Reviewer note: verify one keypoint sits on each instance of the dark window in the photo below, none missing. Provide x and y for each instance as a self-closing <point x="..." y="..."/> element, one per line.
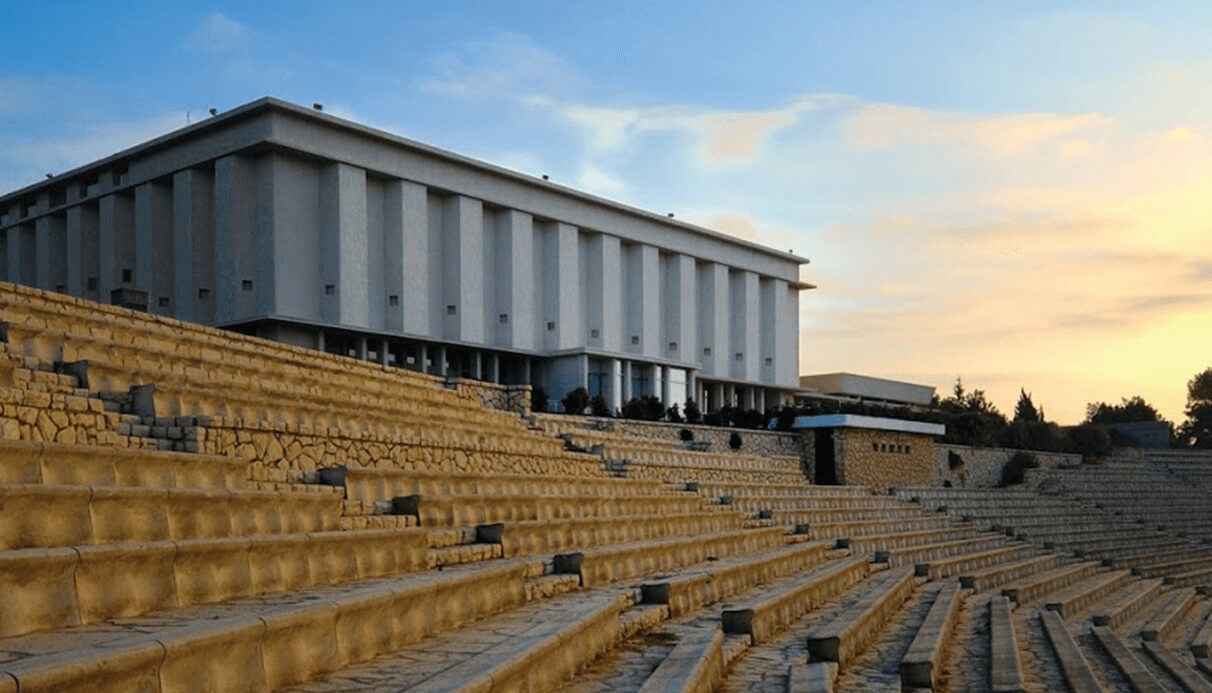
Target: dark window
<point x="550" y="326"/>
<point x="60" y="288"/>
<point x="635" y="339"/>
<point x="393" y="300"/>
<point x="127" y="275"/>
<point x="769" y="361"/>
<point x="706" y="351"/>
<point x="740" y="356"/>
<point x="503" y="318"/>
<point x="875" y="447"/>
<point x="673" y="346"/>
<point x="452" y="310"/>
<point x="330" y="289"/>
<point x="246" y="285"/>
<point x="163" y="301"/>
<point x="92" y="283"/>
<point x="203" y="294"/>
<point x="595" y="333"/>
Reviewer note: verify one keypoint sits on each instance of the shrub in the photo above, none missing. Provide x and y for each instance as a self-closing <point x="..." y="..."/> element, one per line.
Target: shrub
<point x="644" y="409"/>
<point x="734" y="441"/>
<point x="1016" y="468"/>
<point x="538" y="399"/>
<point x="686" y="435"/>
<point x="672" y="415"/>
<point x="693" y="414"/>
<point x="575" y="401"/>
<point x="1090" y="441"/>
<point x="598" y="406"/>
<point x="954" y="461"/>
<point x="713" y="419"/>
<point x="750" y="418"/>
<point x="946" y="484"/>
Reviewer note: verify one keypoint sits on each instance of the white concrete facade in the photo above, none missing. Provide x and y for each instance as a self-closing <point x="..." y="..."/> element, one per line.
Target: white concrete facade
<point x="287" y="222"/>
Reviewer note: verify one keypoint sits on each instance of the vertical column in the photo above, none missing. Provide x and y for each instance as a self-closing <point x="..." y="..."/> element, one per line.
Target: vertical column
<point x="787" y="333"/>
<point x="463" y="247"/>
<point x="384" y="350"/>
<point x="155" y="261"/>
<point x="406" y="256"/>
<point x="713" y="318"/>
<point x="561" y="291"/>
<point x="680" y="307"/>
<point x="115" y="243"/>
<point x="628" y="393"/>
<point x="234" y="293"/>
<point x="614" y="396"/>
<point x="440" y="361"/>
<point x="515" y="299"/>
<point x="477" y="365"/>
<point x="362" y="349"/>
<point x="604" y="284"/>
<point x="343" y="245"/>
<point x="751" y="321"/>
<point x="193" y="245"/>
<point x="760" y="405"/>
<point x="665" y="389"/>
<point x="717" y="396"/>
<point x="494" y="368"/>
<point x="423" y="358"/>
<point x="21" y="257"/>
<point x="648" y="305"/>
<point x="50" y="241"/>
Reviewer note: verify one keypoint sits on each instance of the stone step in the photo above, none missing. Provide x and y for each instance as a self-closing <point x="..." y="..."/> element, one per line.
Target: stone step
<point x="691" y="590"/>
<point x="1004" y="573"/>
<point x="1082" y="539"/>
<point x="857" y="529"/>
<point x="855" y="627"/>
<point x="23" y="462"/>
<point x="1111" y="548"/>
<point x="1157" y="563"/>
<point x="784" y="602"/>
<point x="1005" y="666"/>
<point x="695" y="664"/>
<point x="1189" y="679"/>
<point x="462" y="510"/>
<point x="938" y="551"/>
<point x="834" y="515"/>
<point x="61" y="587"/>
<point x="1202" y="576"/>
<point x="459" y="554"/>
<point x="53" y="515"/>
<point x="1127" y="604"/>
<point x="1201" y="643"/>
<point x="812" y="677"/>
<point x="268" y="643"/>
<point x="609" y="563"/>
<point x="1142" y="680"/>
<point x="909" y="539"/>
<point x="1073" y="664"/>
<point x="956" y="565"/>
<point x="554" y="536"/>
<point x="791" y="503"/>
<point x="1175" y="606"/>
<point x="1041" y="584"/>
<point x="922" y="664"/>
<point x="1078" y="597"/>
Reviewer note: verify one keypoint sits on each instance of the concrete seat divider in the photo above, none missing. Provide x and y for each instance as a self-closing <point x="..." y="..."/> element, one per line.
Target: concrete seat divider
<point x="921" y="665"/>
<point x="853" y="628"/>
<point x="1142" y="680"/>
<point x="763" y="615"/>
<point x="1073" y="664"/>
<point x="1005" y="665"/>
<point x="695" y="664"/>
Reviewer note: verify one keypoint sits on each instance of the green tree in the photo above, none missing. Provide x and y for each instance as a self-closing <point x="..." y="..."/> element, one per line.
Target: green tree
<point x="1196" y="431"/>
<point x="1025" y="411"/>
<point x="1129" y="410"/>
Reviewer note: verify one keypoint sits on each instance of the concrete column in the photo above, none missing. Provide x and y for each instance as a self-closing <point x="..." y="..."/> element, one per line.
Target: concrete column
<point x="406" y="256"/>
<point x="680" y="308"/>
<point x="423" y="358"/>
<point x="154" y="255"/>
<point x="515" y="280"/>
<point x="627" y="393"/>
<point x="761" y="400"/>
<point x="194" y="244"/>
<point x="362" y="349"/>
<point x="463" y="257"/>
<point x="665" y="389"/>
<point x="713" y="318"/>
<point x="50" y="249"/>
<point x="583" y="370"/>
<point x="614" y="396"/>
<point x="21" y="255"/>
<point x="494" y="368"/>
<point x="477" y="365"/>
<point x="717" y="396"/>
<point x="441" y="366"/>
<point x="786" y="334"/>
<point x="115" y="243"/>
<point x="82" y="250"/>
<point x="384" y="348"/>
<point x="749" y="400"/>
<point x="526" y="372"/>
<point x="343" y="245"/>
<point x="692" y="386"/>
<point x="235" y="263"/>
<point x="562" y="287"/>
<point x="320" y="343"/>
<point x="604" y="292"/>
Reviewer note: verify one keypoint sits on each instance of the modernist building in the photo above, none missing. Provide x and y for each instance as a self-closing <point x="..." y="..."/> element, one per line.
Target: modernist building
<point x="286" y="222"/>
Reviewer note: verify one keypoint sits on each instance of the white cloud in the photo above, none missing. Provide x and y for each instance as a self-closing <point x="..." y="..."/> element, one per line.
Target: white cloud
<point x="597" y="181"/>
<point x="219" y="34"/>
<point x="509" y="65"/>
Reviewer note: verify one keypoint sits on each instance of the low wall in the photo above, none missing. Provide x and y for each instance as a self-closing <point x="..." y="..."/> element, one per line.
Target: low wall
<point x="982" y="467"/>
<point x="753" y="441"/>
<point x="511" y="398"/>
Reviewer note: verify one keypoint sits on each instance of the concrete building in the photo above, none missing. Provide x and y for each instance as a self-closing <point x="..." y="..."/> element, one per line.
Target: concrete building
<point x="865" y="388"/>
<point x="285" y="222"/>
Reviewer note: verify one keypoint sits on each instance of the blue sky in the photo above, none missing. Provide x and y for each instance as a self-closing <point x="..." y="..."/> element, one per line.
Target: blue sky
<point x="1013" y="192"/>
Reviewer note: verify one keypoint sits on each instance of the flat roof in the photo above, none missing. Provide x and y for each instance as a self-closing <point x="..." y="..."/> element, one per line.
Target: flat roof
<point x="270" y="103"/>
<point x="876" y="423"/>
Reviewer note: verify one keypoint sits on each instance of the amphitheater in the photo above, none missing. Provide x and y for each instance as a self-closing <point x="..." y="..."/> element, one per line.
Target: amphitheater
<point x="186" y="509"/>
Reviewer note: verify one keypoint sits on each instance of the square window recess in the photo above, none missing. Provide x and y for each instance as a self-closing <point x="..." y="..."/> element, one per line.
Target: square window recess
<point x="393" y="300"/>
<point x="452" y="310"/>
<point x="203" y="294"/>
<point x="503" y="318"/>
<point x="330" y="289"/>
<point x="246" y="285"/>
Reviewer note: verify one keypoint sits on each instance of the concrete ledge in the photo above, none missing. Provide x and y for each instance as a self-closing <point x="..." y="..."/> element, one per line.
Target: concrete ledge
<point x="1005" y="666"/>
<point x="921" y="665"/>
<point x="1177" y="604"/>
<point x="855" y="627"/>
<point x="1131" y="667"/>
<point x="1187" y="677"/>
<point x="1073" y="664"/>
<point x="770" y="612"/>
<point x="696" y="665"/>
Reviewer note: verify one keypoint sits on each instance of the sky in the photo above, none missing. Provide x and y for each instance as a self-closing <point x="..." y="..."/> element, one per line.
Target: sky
<point x="1018" y="194"/>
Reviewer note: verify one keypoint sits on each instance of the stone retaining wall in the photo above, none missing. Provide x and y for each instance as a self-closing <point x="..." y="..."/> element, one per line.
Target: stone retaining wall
<point x="982" y="467"/>
<point x="753" y="442"/>
<point x="510" y="398"/>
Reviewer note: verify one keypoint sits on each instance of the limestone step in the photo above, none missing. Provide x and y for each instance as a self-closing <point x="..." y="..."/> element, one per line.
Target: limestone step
<point x="1110" y="548"/>
<point x="554" y="536"/>
<point x="1004" y="573"/>
<point x="1078" y="597"/>
<point x="270" y="642"/>
<point x="962" y="563"/>
<point x="689" y="591"/>
<point x="51" y="515"/>
<point x="1127" y="603"/>
<point x="373" y="485"/>
<point x="1175" y="606"/>
<point x="1202" y="576"/>
<point x="1201" y="643"/>
<point x="1142" y="680"/>
<point x="23" y="462"/>
<point x="852" y="629"/>
<point x="1093" y="539"/>
<point x="763" y="615"/>
<point x="609" y="563"/>
<point x="453" y="511"/>
<point x="61" y="587"/>
<point x="1189" y="679"/>
<point x="1038" y="585"/>
<point x="910" y="539"/>
<point x="792" y="503"/>
<point x="940" y="550"/>
<point x="737" y="490"/>
<point x="1005" y="666"/>
<point x="856" y="529"/>
<point x="836" y="515"/>
<point x="695" y="664"/>
<point x="1073" y="664"/>
<point x="1158" y="563"/>
<point x="922" y="664"/>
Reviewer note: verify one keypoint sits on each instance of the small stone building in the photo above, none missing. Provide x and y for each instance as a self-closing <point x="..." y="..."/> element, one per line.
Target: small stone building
<point x="847" y="449"/>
